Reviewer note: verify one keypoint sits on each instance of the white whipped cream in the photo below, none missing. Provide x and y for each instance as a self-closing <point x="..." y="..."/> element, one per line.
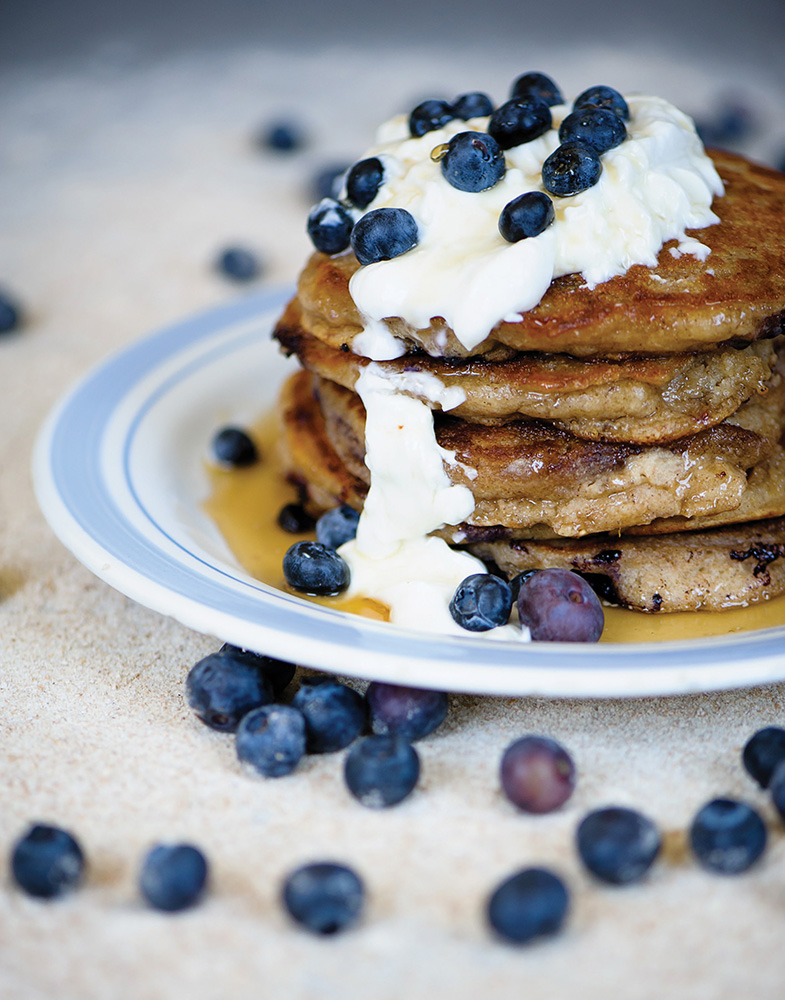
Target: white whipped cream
<point x="653" y="187"/>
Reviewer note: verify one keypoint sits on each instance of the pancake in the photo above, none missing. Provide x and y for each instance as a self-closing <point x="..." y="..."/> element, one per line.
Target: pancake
<point x="682" y="304"/>
<point x="638" y="399"/>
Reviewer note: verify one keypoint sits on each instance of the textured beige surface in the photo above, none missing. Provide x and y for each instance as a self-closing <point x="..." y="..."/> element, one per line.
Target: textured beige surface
<point x="119" y="185"/>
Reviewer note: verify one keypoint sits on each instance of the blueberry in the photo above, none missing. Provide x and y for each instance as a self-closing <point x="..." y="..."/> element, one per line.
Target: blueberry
<point x="223" y="686"/>
<point x="328" y="181"/>
<point x="271" y="739"/>
<point x="381" y="771"/>
<point x="727" y="836"/>
<point x="777" y="789"/>
<point x="314" y="569"/>
<point x="429" y="116"/>
<point x="233" y="447"/>
<point x="239" y="264"/>
<point x="570" y="169"/>
<point x="9" y="314"/>
<point x="324" y="897"/>
<point x="473" y="105"/>
<point x="173" y="876"/>
<point x="384" y="233"/>
<point x="559" y="606"/>
<point x="526" y="216"/>
<point x="538" y="86"/>
<point x="405" y="711"/>
<point x="603" y="97"/>
<point x="363" y="181"/>
<point x="278" y="673"/>
<point x="730" y="125"/>
<point x="481" y="602"/>
<point x="330" y="226"/>
<point x="762" y="753"/>
<point x="618" y="845"/>
<point x="519" y="120"/>
<point x="337" y="526"/>
<point x="283" y="137"/>
<point x="599" y="128"/>
<point x="537" y="774"/>
<point x="473" y="162"/>
<point x="530" y="904"/>
<point x="295" y="519"/>
<point x="518" y="580"/>
<point x="334" y="713"/>
<point x="47" y="862"/>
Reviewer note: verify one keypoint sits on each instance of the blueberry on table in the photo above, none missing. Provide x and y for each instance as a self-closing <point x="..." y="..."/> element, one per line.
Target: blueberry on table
<point x="429" y="116"/>
<point x="762" y="753"/>
<point x="283" y="137"/>
<point x="330" y="226"/>
<point x="405" y="711"/>
<point x="271" y="739"/>
<point x="381" y="771"/>
<point x="538" y="86"/>
<point x="599" y="128"/>
<point x="47" y="862"/>
<point x="531" y="904"/>
<point x="473" y="162"/>
<point x="727" y="836"/>
<point x="173" y="876"/>
<point x="337" y="526"/>
<point x="334" y="713"/>
<point x="603" y="97"/>
<point x="472" y="105"/>
<point x="234" y="448"/>
<point x="571" y="168"/>
<point x="526" y="216"/>
<point x="324" y="897"/>
<point x="295" y="519"/>
<point x="9" y="314"/>
<point x="314" y="569"/>
<point x="559" y="606"/>
<point x="384" y="233"/>
<point x="537" y="774"/>
<point x="224" y="686"/>
<point x="363" y="181"/>
<point x="238" y="264"/>
<point x="481" y="602"/>
<point x="519" y="120"/>
<point x="618" y="845"/>
<point x="278" y="673"/>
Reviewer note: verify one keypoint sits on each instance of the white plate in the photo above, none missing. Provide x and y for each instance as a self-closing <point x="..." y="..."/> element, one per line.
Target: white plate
<point x="119" y="474"/>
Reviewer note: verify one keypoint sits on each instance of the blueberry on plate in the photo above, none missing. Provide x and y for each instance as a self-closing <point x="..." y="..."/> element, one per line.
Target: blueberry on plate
<point x="224" y="686"/>
<point x="602" y="97"/>
<point x="363" y="181"/>
<point x="777" y="789"/>
<point x="526" y="216"/>
<point x="537" y="774"/>
<point x="328" y="181"/>
<point x="283" y="136"/>
<point x="314" y="569"/>
<point x="384" y="233"/>
<point x="430" y="116"/>
<point x="618" y="845"/>
<point x="334" y="713"/>
<point x="239" y="264"/>
<point x="473" y="162"/>
<point x="762" y="753"/>
<point x="539" y="86"/>
<point x="271" y="739"/>
<point x="173" y="876"/>
<point x="570" y="169"/>
<point x="519" y="120"/>
<point x="278" y="673"/>
<point x="481" y="602"/>
<point x="381" y="771"/>
<point x="9" y="314"/>
<point x="727" y="836"/>
<point x="405" y="711"/>
<point x="531" y="904"/>
<point x="294" y="519"/>
<point x="234" y="448"/>
<point x="330" y="226"/>
<point x="600" y="128"/>
<point x="324" y="897"/>
<point x="473" y="105"/>
<point x="47" y="861"/>
<point x="337" y="526"/>
<point x="559" y="606"/>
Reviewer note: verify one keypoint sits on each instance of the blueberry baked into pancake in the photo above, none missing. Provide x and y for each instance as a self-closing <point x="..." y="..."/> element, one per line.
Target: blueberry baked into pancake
<point x="546" y="334"/>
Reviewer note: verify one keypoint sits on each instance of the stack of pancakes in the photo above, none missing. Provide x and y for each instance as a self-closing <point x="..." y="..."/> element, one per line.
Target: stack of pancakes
<point x="631" y="432"/>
